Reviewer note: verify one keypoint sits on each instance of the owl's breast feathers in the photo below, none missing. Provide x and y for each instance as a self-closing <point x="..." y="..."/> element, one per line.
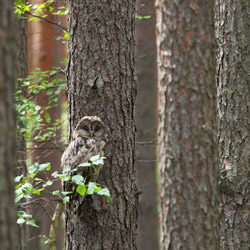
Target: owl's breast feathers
<point x="81" y="150"/>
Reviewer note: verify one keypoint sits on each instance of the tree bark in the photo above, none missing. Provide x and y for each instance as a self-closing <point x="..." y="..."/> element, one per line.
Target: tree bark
<point x="100" y="81"/>
<point x="21" y="72"/>
<point x="146" y="125"/>
<point x="187" y="125"/>
<point x="7" y="125"/>
<point x="233" y="102"/>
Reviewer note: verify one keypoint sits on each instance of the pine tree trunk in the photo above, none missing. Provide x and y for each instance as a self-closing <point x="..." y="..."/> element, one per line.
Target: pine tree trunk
<point x="7" y="126"/>
<point x="146" y="125"/>
<point x="100" y="81"/>
<point x="233" y="65"/>
<point x="21" y="72"/>
<point x="187" y="125"/>
<point x="44" y="53"/>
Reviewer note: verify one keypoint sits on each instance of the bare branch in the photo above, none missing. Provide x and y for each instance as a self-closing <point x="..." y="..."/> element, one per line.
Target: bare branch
<point x="36" y="201"/>
<point x="146" y="142"/>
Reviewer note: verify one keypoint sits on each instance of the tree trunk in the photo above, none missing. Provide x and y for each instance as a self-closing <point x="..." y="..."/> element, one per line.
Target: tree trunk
<point x="233" y="64"/>
<point x="100" y="81"/>
<point x="187" y="125"/>
<point x="146" y="124"/>
<point x="7" y="125"/>
<point x="44" y="53"/>
<point x="21" y="72"/>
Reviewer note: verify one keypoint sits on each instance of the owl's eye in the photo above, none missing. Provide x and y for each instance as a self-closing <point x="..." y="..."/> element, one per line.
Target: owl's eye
<point x="96" y="128"/>
<point x="86" y="128"/>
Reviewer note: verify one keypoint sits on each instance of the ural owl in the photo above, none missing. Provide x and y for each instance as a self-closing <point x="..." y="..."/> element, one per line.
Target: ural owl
<point x="89" y="139"/>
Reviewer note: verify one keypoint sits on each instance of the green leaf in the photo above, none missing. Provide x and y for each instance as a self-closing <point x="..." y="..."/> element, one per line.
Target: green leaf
<point x="18" y="178"/>
<point x="33" y="19"/>
<point x="36" y="192"/>
<point x="57" y="192"/>
<point x="33" y="168"/>
<point x="65" y="199"/>
<point x="27" y="187"/>
<point x="94" y="158"/>
<point x="20" y="221"/>
<point x="66" y="178"/>
<point x="47" y="117"/>
<point x="77" y="179"/>
<point x="27" y="196"/>
<point x="86" y="164"/>
<point x="54" y="174"/>
<point x="32" y="175"/>
<point x="45" y="166"/>
<point x="109" y="199"/>
<point x="98" y="162"/>
<point x="48" y="183"/>
<point x="66" y="35"/>
<point x="105" y="191"/>
<point x="19" y="191"/>
<point x="49" y="8"/>
<point x="18" y="198"/>
<point x="142" y="17"/>
<point x="66" y="169"/>
<point x="23" y="214"/>
<point x="50" y="92"/>
<point x="81" y="189"/>
<point x="32" y="223"/>
<point x="91" y="188"/>
<point x="46" y="242"/>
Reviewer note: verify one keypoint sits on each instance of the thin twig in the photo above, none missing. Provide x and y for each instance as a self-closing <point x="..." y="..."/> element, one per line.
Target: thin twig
<point x="38" y="236"/>
<point x="146" y="142"/>
<point x="36" y="201"/>
<point x="147" y="161"/>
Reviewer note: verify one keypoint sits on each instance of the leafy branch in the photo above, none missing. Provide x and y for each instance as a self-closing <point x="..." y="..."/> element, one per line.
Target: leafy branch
<point x="26" y="8"/>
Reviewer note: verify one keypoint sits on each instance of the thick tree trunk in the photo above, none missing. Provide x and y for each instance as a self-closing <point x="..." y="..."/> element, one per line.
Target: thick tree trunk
<point x="187" y="125"/>
<point x="233" y="65"/>
<point x="146" y="124"/>
<point x="7" y="126"/>
<point x="100" y="81"/>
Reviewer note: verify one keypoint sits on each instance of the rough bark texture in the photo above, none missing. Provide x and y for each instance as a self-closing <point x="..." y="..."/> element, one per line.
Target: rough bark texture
<point x="146" y="120"/>
<point x="187" y="125"/>
<point x="233" y="65"/>
<point x="7" y="125"/>
<point x="100" y="81"/>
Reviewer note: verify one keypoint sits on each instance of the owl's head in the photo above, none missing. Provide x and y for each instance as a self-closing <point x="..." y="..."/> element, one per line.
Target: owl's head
<point x="90" y="127"/>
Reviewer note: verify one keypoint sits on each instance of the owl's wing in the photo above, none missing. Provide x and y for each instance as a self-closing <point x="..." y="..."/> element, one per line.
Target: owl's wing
<point x="78" y="151"/>
<point x="70" y="154"/>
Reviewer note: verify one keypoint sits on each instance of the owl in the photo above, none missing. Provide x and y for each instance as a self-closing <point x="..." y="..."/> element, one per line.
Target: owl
<point x="89" y="139"/>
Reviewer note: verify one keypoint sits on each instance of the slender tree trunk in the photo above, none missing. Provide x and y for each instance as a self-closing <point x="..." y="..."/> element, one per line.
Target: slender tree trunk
<point x="21" y="72"/>
<point x="100" y="81"/>
<point x="44" y="53"/>
<point x="187" y="125"/>
<point x="7" y="126"/>
<point x="146" y="124"/>
<point x="233" y="65"/>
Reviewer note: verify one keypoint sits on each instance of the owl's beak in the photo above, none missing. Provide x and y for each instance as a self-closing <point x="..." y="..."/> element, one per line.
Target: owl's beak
<point x="91" y="134"/>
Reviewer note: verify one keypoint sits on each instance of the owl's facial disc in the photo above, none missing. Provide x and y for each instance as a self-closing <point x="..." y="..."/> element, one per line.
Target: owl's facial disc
<point x="97" y="129"/>
<point x="84" y="129"/>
